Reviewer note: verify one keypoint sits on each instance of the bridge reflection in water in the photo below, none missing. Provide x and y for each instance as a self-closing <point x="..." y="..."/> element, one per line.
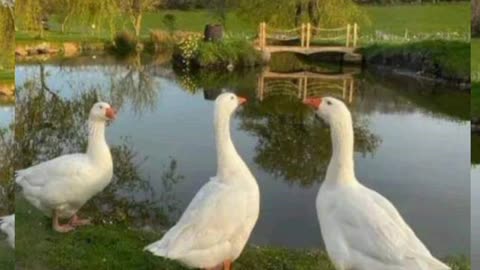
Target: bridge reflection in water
<point x="305" y="84"/>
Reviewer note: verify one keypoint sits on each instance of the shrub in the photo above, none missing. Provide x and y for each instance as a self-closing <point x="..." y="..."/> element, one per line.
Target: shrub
<point x="187" y="48"/>
<point x="125" y="43"/>
<point x="161" y="40"/>
<point x="170" y="22"/>
<point x="238" y="52"/>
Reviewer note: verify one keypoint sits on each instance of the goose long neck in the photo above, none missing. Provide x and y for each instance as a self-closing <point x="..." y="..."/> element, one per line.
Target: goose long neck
<point x="341" y="167"/>
<point x="97" y="146"/>
<point x="228" y="160"/>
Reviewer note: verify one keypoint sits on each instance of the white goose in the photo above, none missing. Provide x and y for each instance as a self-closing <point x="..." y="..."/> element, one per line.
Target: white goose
<point x="7" y="225"/>
<point x="361" y="229"/>
<point x="61" y="186"/>
<point x="215" y="227"/>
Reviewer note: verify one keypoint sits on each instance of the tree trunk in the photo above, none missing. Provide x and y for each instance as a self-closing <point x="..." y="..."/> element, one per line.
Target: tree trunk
<point x="313" y="12"/>
<point x="476" y="17"/>
<point x="65" y="22"/>
<point x="298" y="14"/>
<point x="138" y="24"/>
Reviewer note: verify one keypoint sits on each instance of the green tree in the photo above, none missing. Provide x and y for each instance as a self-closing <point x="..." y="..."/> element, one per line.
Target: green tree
<point x="325" y="13"/>
<point x="91" y="14"/>
<point x="135" y="9"/>
<point x="28" y="14"/>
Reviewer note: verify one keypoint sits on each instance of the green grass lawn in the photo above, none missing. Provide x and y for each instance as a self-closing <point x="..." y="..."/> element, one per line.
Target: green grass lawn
<point x="7" y="256"/>
<point x="393" y="19"/>
<point x="117" y="246"/>
<point x="419" y="18"/>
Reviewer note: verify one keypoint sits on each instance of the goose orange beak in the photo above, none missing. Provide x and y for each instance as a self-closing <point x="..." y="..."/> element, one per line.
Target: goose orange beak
<point x="313" y="102"/>
<point x="111" y="113"/>
<point x="241" y="100"/>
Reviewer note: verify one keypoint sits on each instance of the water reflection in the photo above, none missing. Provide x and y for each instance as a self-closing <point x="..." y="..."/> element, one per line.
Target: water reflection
<point x="6" y="169"/>
<point x="305" y="84"/>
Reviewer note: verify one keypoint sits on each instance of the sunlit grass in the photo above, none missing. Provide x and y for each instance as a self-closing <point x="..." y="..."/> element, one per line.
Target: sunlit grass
<point x="443" y="18"/>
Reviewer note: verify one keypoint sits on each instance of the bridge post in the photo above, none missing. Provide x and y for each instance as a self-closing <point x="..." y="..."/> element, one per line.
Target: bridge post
<point x="309" y="33"/>
<point x="355" y="34"/>
<point x="348" y="36"/>
<point x="262" y="35"/>
<point x="350" y="98"/>
<point x="302" y="35"/>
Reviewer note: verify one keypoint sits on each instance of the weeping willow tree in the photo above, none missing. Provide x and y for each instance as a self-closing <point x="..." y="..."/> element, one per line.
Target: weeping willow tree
<point x="135" y="9"/>
<point x="89" y="14"/>
<point x="28" y="14"/>
<point x="7" y="37"/>
<point x="324" y="13"/>
<point x="75" y="15"/>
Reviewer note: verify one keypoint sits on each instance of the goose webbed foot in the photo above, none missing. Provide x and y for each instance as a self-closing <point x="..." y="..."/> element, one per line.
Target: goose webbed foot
<point x="75" y="221"/>
<point x="59" y="227"/>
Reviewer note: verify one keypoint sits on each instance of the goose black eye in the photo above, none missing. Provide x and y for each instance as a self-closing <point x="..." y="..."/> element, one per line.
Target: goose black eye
<point x="231" y="97"/>
<point x="101" y="107"/>
<point x="329" y="102"/>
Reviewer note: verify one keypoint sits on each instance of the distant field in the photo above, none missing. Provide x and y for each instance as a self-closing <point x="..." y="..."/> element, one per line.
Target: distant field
<point x="419" y="18"/>
<point x="391" y="19"/>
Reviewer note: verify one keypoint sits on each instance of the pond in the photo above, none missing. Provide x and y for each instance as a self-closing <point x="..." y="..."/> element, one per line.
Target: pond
<point x="475" y="198"/>
<point x="411" y="141"/>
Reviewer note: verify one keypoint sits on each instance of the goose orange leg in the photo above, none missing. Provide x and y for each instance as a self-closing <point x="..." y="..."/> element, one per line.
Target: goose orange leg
<point x="75" y="221"/>
<point x="58" y="227"/>
<point x="214" y="268"/>
<point x="227" y="265"/>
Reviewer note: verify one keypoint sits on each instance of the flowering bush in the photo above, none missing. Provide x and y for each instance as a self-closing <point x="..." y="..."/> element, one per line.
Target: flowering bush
<point x="188" y="47"/>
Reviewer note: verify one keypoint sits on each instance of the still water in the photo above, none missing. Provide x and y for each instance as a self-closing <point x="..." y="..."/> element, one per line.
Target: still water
<point x="412" y="141"/>
<point x="475" y="217"/>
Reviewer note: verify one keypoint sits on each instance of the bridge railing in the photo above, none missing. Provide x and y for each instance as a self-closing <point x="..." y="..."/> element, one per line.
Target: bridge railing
<point x="307" y="33"/>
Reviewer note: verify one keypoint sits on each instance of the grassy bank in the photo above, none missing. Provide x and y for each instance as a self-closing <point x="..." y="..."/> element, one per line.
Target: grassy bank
<point x="392" y="19"/>
<point x="475" y="59"/>
<point x="437" y="59"/>
<point x="7" y="76"/>
<point x="116" y="246"/>
<point x="475" y="100"/>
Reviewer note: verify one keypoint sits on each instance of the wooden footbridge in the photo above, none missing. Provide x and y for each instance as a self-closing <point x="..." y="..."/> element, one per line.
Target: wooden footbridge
<point x="307" y="84"/>
<point x="308" y="39"/>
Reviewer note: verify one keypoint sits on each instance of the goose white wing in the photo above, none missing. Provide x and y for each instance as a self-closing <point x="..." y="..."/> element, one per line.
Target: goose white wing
<point x="373" y="228"/>
<point x="56" y="179"/>
<point x="213" y="217"/>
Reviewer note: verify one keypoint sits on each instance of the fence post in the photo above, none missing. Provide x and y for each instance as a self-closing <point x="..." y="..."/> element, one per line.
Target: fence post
<point x="348" y="36"/>
<point x="260" y="35"/>
<point x="308" y="34"/>
<point x="264" y="34"/>
<point x="355" y="34"/>
<point x="302" y="35"/>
